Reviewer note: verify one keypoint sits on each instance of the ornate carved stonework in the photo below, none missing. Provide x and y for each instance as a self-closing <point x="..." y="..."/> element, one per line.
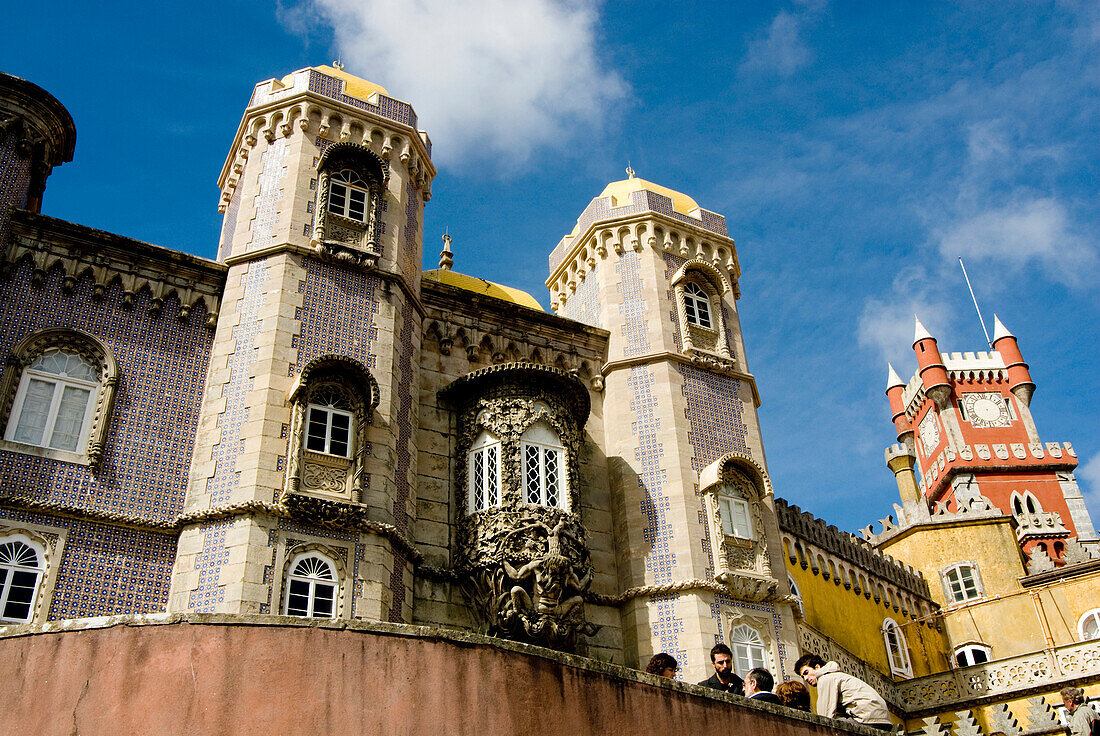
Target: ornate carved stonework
<point x="524" y="567"/>
<point x="526" y="571"/>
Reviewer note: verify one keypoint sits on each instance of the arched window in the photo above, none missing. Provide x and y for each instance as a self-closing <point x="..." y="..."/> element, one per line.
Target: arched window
<point x="58" y="392"/>
<point x="1088" y="627"/>
<point x="1025" y="503"/>
<point x="748" y="649"/>
<point x="972" y="654"/>
<point x="736" y="519"/>
<point x="697" y="305"/>
<point x="328" y="428"/>
<point x="544" y="471"/>
<point x="311" y="587"/>
<point x="961" y="583"/>
<point x="798" y="604"/>
<point x="483" y="474"/>
<point x="21" y="569"/>
<point x="348" y="195"/>
<point x="897" y="650"/>
<point x="53" y="403"/>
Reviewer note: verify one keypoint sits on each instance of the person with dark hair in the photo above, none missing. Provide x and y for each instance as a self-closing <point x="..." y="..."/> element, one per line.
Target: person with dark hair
<point x="663" y="665"/>
<point x="843" y="696"/>
<point x="723" y="678"/>
<point x="758" y="686"/>
<point x="794" y="694"/>
<point x="1083" y="719"/>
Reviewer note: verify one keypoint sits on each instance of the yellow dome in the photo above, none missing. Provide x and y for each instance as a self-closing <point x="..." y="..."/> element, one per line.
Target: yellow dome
<point x="483" y="287"/>
<point x="620" y="192"/>
<point x="353" y="86"/>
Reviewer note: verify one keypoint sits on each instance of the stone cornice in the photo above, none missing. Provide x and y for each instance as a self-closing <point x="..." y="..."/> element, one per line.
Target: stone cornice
<point x="45" y="123"/>
<point x="715" y="364"/>
<point x="80" y="250"/>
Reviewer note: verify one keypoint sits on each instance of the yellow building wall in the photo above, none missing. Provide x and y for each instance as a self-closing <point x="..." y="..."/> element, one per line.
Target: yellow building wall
<point x="1009" y="619"/>
<point x="855" y="623"/>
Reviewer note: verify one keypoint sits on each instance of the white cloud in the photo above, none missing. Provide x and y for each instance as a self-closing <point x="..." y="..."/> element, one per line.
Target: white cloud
<point x="1026" y="231"/>
<point x="1088" y="476"/>
<point x="489" y="79"/>
<point x="887" y="326"/>
<point x="781" y="49"/>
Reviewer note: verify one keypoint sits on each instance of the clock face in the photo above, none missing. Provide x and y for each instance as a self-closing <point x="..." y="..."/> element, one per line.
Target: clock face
<point x="987" y="410"/>
<point x="929" y="432"/>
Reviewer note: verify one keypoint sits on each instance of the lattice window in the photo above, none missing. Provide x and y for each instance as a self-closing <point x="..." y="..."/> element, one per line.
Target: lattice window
<point x="962" y="583"/>
<point x="484" y="473"/>
<point x="21" y="570"/>
<point x="697" y="305"/>
<point x="748" y="649"/>
<point x="543" y="467"/>
<point x="348" y="195"/>
<point x="53" y="404"/>
<point x="897" y="649"/>
<point x="311" y="587"/>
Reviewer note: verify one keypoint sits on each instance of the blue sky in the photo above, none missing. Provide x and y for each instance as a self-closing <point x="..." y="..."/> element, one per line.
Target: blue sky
<point x="856" y="150"/>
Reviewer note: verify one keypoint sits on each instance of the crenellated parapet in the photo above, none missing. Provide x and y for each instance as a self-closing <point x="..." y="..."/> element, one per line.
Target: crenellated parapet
<point x="330" y="108"/>
<point x="851" y="562"/>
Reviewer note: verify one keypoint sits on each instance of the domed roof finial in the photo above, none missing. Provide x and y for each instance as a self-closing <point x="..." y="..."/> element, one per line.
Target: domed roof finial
<point x="338" y="65"/>
<point x="446" y="259"/>
<point x="629" y="171"/>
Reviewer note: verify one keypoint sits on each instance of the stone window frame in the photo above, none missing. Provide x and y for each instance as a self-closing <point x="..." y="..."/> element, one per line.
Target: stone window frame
<point x="1091" y="616"/>
<point x="91" y="349"/>
<point x="715" y="285"/>
<point x="901" y="664"/>
<point x="975" y="576"/>
<point x="759" y="646"/>
<point x="320" y="474"/>
<point x="1025" y="500"/>
<point x="737" y="470"/>
<point x="292" y="545"/>
<point x="798" y="604"/>
<point x="51" y="543"/>
<point x="374" y="172"/>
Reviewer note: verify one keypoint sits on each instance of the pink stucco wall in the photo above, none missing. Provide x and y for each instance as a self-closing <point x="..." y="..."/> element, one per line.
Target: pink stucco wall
<point x="214" y="678"/>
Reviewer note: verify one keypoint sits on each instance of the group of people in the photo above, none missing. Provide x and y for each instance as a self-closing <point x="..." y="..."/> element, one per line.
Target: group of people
<point x="839" y="695"/>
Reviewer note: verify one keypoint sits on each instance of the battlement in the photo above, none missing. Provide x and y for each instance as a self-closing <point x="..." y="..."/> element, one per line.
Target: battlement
<point x="916" y="512"/>
<point x="980" y="366"/>
<point x="807" y="527"/>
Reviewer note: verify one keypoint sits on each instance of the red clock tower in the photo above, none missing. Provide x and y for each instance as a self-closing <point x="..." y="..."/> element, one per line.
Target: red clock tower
<point x="965" y="419"/>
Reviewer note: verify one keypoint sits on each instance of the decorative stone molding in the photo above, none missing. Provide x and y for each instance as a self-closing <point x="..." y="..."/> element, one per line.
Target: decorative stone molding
<point x="95" y="352"/>
<point x="1002" y="679"/>
<point x="326" y="474"/>
<point x="1042" y="524"/>
<point x="340" y="239"/>
<point x="525" y="568"/>
<point x="46" y="244"/>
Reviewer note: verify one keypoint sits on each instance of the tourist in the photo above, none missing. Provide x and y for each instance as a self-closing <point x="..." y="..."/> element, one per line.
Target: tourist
<point x="794" y="694"/>
<point x="758" y="686"/>
<point x="723" y="678"/>
<point x="1083" y="718"/>
<point x="662" y="665"/>
<point x="843" y="696"/>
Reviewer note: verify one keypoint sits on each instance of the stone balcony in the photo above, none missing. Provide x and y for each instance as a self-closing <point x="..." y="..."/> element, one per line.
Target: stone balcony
<point x="1001" y="679"/>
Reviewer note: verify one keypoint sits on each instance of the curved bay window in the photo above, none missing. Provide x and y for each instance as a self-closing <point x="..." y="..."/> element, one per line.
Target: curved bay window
<point x="57" y="396"/>
<point x="897" y="649"/>
<point x="332" y="401"/>
<point x="351" y="185"/>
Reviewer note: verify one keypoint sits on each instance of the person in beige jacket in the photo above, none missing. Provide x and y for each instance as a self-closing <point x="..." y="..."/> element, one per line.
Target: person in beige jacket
<point x="840" y="695"/>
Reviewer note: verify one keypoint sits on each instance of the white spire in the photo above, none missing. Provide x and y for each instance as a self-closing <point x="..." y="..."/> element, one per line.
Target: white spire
<point x="893" y="379"/>
<point x="999" y="330"/>
<point x="921" y="333"/>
